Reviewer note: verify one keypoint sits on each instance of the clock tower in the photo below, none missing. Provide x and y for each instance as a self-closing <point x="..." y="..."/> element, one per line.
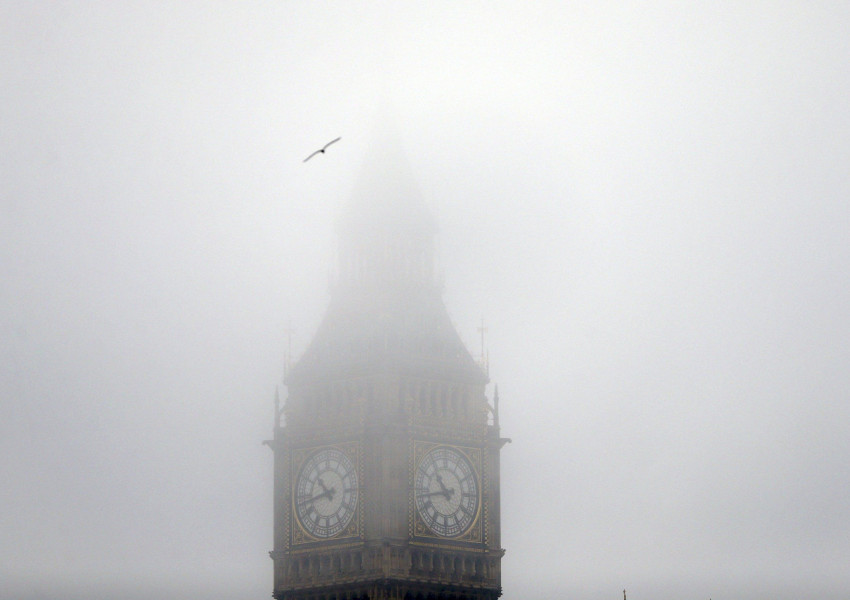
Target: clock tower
<point x="386" y="450"/>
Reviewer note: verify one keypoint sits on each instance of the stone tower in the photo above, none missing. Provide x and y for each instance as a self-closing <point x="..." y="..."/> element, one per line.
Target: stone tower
<point x="386" y="451"/>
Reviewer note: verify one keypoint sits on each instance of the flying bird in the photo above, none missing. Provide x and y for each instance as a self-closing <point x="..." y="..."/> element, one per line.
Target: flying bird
<point x="322" y="149"/>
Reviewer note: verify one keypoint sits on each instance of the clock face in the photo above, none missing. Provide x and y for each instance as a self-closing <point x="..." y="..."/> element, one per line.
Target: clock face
<point x="326" y="493"/>
<point x="445" y="489"/>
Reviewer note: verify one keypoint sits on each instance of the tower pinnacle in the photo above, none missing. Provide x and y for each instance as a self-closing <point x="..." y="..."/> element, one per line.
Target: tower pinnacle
<point x="386" y="235"/>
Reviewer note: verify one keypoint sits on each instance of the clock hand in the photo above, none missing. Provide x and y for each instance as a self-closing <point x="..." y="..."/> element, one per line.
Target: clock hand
<point x="326" y="490"/>
<point x="329" y="493"/>
<point x="447" y="492"/>
<point x="437" y="493"/>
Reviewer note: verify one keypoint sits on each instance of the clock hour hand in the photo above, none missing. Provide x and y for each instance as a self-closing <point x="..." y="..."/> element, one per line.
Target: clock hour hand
<point x="447" y="492"/>
<point x="326" y="491"/>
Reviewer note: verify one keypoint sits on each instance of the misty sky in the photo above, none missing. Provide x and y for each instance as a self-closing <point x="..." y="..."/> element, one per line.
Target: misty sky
<point x="647" y="203"/>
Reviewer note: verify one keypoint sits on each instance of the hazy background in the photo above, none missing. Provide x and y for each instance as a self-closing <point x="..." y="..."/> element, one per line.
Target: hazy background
<point x="646" y="202"/>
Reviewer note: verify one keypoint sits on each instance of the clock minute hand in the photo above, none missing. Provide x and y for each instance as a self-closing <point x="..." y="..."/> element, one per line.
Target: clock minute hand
<point x="328" y="493"/>
<point x="427" y="494"/>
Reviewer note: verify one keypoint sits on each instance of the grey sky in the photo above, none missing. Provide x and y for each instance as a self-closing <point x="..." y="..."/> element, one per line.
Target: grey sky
<point x="646" y="202"/>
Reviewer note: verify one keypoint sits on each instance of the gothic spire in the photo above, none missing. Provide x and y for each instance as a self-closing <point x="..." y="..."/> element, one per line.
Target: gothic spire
<point x="386" y="310"/>
<point x="386" y="234"/>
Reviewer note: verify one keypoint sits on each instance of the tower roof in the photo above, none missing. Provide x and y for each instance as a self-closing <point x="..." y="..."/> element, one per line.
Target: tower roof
<point x="386" y="312"/>
<point x="386" y="196"/>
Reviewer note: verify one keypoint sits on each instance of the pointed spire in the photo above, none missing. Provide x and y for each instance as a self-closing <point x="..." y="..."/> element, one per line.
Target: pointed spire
<point x="386" y="193"/>
<point x="386" y="235"/>
<point x="386" y="310"/>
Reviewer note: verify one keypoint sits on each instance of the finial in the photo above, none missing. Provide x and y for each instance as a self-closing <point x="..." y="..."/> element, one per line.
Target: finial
<point x="624" y="594"/>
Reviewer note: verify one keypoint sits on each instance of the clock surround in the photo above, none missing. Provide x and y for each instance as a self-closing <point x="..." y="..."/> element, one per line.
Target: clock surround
<point x="325" y="503"/>
<point x="445" y="492"/>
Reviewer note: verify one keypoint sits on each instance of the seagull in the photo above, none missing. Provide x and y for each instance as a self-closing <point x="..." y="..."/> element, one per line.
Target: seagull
<point x="322" y="149"/>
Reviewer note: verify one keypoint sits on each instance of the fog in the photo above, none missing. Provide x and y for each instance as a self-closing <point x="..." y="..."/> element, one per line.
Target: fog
<point x="646" y="203"/>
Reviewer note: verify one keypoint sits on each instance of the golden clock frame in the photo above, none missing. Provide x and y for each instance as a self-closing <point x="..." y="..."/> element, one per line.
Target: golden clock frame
<point x="298" y="456"/>
<point x="417" y="527"/>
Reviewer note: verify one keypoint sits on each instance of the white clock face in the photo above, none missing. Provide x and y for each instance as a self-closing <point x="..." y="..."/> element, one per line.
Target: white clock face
<point x="326" y="493"/>
<point x="446" y="491"/>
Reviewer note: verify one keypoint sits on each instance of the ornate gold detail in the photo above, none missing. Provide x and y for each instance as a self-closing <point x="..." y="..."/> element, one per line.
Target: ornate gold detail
<point x="298" y="457"/>
<point x="418" y="528"/>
